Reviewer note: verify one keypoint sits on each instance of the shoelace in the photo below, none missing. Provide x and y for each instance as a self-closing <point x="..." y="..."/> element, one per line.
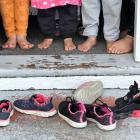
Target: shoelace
<point x="104" y="104"/>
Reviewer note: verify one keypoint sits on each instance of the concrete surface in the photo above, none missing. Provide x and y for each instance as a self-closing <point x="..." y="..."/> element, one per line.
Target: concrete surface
<point x="26" y="127"/>
<point x="67" y="65"/>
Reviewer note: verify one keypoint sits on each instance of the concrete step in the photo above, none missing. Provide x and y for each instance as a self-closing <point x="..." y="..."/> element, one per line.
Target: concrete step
<point x="23" y="127"/>
<point x="25" y="72"/>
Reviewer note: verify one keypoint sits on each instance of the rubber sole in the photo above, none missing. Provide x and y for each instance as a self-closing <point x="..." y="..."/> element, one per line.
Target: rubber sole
<point x="103" y="127"/>
<point x="119" y="116"/>
<point x="89" y="92"/>
<point x="37" y="113"/>
<point x="72" y="123"/>
<point x="6" y="122"/>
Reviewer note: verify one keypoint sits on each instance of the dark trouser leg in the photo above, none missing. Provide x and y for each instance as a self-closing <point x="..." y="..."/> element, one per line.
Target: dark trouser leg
<point x="46" y="19"/>
<point x="68" y="20"/>
<point x="127" y="16"/>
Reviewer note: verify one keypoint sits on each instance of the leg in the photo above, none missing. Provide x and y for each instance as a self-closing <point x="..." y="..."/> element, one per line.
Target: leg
<point x="21" y="8"/>
<point x="125" y="45"/>
<point x="46" y="19"/>
<point x="111" y="12"/>
<point x="7" y="12"/>
<point x="90" y="17"/>
<point x="68" y="25"/>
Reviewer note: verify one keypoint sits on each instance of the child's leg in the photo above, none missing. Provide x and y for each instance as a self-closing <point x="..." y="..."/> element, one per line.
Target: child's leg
<point x="46" y="19"/>
<point x="7" y="12"/>
<point x="68" y="25"/>
<point x="90" y="17"/>
<point x="111" y="11"/>
<point x="21" y="8"/>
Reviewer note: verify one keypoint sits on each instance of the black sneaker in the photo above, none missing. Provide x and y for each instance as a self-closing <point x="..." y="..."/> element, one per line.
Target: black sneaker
<point x="74" y="113"/>
<point x="127" y="104"/>
<point x="133" y="92"/>
<point x="6" y="111"/>
<point x="102" y="115"/>
<point x="37" y="104"/>
<point x="125" y="110"/>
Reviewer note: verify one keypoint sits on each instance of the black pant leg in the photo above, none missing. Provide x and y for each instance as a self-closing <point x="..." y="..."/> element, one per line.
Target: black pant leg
<point x="46" y="19"/>
<point x="68" y="20"/>
<point x="127" y="16"/>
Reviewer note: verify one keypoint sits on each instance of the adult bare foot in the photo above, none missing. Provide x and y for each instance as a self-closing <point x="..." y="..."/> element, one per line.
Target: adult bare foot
<point x="23" y="43"/>
<point x="10" y="43"/>
<point x="46" y="43"/>
<point x="109" y="46"/>
<point x="122" y="46"/>
<point x="69" y="45"/>
<point x="88" y="44"/>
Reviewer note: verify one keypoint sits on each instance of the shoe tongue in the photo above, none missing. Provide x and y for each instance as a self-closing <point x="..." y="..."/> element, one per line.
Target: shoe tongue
<point x="39" y="99"/>
<point x="4" y="106"/>
<point x="81" y="107"/>
<point x="105" y="109"/>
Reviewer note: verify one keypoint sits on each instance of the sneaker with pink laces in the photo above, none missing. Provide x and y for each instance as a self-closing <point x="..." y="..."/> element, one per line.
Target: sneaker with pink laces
<point x="6" y="111"/>
<point x="102" y="115"/>
<point x="74" y="113"/>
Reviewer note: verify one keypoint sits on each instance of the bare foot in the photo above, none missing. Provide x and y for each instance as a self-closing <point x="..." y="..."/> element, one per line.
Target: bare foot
<point x="88" y="44"/>
<point x="23" y="43"/>
<point x="45" y="44"/>
<point x="109" y="46"/>
<point x="69" y="45"/>
<point x="122" y="46"/>
<point x="10" y="43"/>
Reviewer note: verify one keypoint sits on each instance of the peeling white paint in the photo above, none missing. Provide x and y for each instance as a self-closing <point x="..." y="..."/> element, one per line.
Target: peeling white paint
<point x="68" y="65"/>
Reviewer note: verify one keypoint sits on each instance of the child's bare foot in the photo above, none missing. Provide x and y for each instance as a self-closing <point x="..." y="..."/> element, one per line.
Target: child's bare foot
<point x="23" y="43"/>
<point x="46" y="43"/>
<point x="109" y="46"/>
<point x="10" y="43"/>
<point x="88" y="44"/>
<point x="122" y="46"/>
<point x="69" y="45"/>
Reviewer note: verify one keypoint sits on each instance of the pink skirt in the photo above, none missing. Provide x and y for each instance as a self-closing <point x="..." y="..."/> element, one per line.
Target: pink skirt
<point x="45" y="4"/>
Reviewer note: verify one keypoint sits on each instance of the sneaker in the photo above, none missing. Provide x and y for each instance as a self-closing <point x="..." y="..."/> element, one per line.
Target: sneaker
<point x="37" y="104"/>
<point x="133" y="92"/>
<point x="74" y="113"/>
<point x="125" y="109"/>
<point x="101" y="115"/>
<point x="6" y="111"/>
<point x="89" y="92"/>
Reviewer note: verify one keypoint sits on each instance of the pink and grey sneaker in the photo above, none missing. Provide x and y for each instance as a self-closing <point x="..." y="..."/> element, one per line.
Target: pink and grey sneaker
<point x="101" y="115"/>
<point x="74" y="113"/>
<point x="37" y="104"/>
<point x="6" y="111"/>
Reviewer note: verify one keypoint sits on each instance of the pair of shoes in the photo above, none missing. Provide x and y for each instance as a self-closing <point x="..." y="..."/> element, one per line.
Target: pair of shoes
<point x="129" y="105"/>
<point x="37" y="104"/>
<point x="6" y="111"/>
<point x="76" y="114"/>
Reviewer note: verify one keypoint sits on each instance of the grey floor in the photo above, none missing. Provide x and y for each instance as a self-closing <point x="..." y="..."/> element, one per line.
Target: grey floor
<point x="35" y="36"/>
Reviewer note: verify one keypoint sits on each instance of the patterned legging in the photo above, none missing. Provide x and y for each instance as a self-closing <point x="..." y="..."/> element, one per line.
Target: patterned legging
<point x="15" y="16"/>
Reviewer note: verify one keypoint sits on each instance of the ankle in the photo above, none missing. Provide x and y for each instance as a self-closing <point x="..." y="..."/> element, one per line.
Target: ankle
<point x="12" y="38"/>
<point x="68" y="41"/>
<point x="92" y="40"/>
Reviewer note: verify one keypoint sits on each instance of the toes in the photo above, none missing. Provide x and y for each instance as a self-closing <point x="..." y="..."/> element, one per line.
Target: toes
<point x="83" y="49"/>
<point x="68" y="48"/>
